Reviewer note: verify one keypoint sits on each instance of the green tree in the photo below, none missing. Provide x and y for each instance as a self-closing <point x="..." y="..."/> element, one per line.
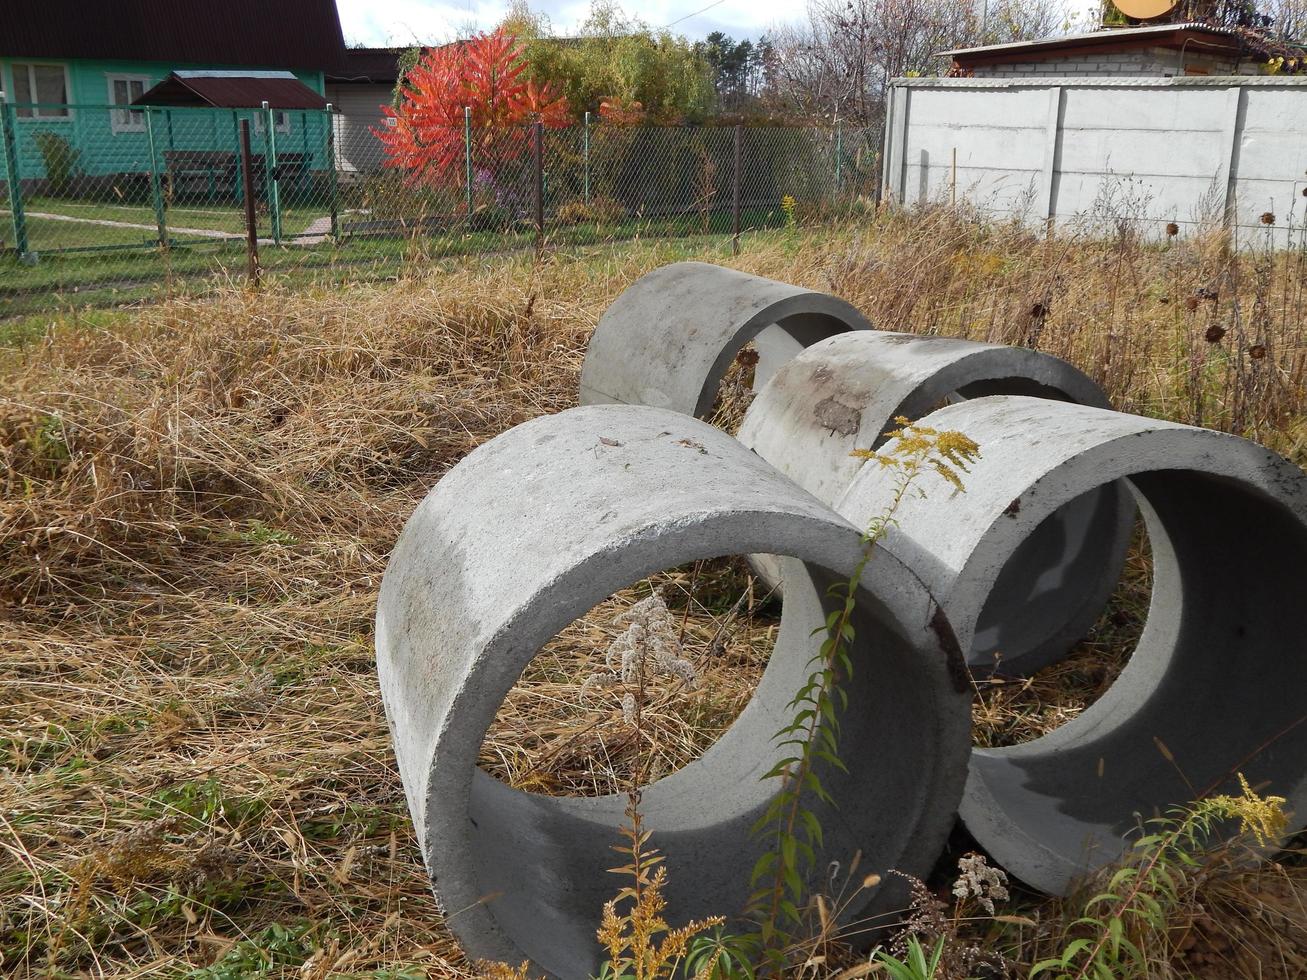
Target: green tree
<point x="616" y="56"/>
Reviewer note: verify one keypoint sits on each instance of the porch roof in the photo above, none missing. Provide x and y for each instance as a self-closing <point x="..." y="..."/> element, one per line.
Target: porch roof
<point x="233" y="90"/>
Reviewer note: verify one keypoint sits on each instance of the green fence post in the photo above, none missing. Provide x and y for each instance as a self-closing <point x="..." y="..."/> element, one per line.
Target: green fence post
<point x="585" y="142"/>
<point x="156" y="190"/>
<point x="332" y="175"/>
<point x="270" y="162"/>
<point x="467" y="154"/>
<point x="12" y="179"/>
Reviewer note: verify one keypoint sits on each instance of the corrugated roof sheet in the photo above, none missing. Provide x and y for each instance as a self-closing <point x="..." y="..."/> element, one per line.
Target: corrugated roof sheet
<point x="302" y="34"/>
<point x="233" y="90"/>
<point x="1117" y="36"/>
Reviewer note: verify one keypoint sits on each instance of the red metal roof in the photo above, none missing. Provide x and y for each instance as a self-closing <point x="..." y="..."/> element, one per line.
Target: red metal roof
<point x="233" y="90"/>
<point x="302" y="34"/>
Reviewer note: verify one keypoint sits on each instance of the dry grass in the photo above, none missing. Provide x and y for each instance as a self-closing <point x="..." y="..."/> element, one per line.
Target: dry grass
<point x="198" y="501"/>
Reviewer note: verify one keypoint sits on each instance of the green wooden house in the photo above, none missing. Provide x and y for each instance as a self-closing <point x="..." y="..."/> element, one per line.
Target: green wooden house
<point x="75" y="74"/>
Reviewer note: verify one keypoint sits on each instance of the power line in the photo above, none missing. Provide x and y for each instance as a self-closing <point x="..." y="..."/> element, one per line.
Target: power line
<point x="715" y="3"/>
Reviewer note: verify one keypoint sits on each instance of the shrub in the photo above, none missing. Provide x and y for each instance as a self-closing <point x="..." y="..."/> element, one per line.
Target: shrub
<point x="60" y="159"/>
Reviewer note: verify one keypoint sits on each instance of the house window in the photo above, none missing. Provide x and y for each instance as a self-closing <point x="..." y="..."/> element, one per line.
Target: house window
<point x="124" y="90"/>
<point x="41" y="91"/>
<point x="281" y="120"/>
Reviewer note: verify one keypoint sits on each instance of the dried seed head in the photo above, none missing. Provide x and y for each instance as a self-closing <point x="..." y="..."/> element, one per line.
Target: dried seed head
<point x="1257" y="351"/>
<point x="1214" y="333"/>
<point x="979" y="881"/>
<point x="1172" y="229"/>
<point x="1268" y="218"/>
<point x="1191" y="303"/>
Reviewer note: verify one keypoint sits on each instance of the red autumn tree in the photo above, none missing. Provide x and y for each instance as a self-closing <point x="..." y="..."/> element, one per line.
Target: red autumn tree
<point x="485" y="74"/>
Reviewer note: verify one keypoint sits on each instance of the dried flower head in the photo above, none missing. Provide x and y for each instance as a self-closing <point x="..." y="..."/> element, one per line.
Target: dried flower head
<point x="1172" y="229"/>
<point x="1261" y="816"/>
<point x="650" y="643"/>
<point x="918" y="447"/>
<point x="980" y="882"/>
<point x="1191" y="303"/>
<point x="1214" y="333"/>
<point x="1268" y="218"/>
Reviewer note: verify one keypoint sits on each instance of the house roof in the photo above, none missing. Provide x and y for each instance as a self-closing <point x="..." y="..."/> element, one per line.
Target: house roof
<point x="1192" y="36"/>
<point x="233" y="90"/>
<point x="368" y="65"/>
<point x="301" y="34"/>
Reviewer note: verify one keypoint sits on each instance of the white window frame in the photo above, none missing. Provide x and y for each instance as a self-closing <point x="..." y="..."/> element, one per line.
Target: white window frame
<point x="36" y="113"/>
<point x="120" y="119"/>
<point x="282" y="117"/>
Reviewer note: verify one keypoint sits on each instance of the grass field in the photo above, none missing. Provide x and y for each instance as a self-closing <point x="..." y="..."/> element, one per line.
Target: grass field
<point x="111" y="266"/>
<point x="200" y="494"/>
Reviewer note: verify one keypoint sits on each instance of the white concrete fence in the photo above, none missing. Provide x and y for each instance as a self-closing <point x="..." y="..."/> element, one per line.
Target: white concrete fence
<point x="1150" y="151"/>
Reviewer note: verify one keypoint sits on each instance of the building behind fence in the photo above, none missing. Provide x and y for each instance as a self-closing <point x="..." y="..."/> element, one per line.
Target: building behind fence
<point x="154" y="191"/>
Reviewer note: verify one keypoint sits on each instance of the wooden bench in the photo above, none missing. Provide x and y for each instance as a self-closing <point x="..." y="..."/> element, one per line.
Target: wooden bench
<point x="215" y="170"/>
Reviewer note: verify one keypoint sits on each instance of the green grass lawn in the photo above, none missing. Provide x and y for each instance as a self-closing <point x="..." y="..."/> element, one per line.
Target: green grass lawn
<point x="129" y="267"/>
<point x="48" y="234"/>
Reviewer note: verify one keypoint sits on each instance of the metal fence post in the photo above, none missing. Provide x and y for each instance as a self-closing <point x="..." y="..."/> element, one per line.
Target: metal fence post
<point x="537" y="153"/>
<point x="270" y="160"/>
<point x="735" y="195"/>
<point x="12" y="179"/>
<point x="251" y="221"/>
<point x="839" y="151"/>
<point x="156" y="189"/>
<point x="585" y="152"/>
<point x="467" y="154"/>
<point x="332" y="175"/>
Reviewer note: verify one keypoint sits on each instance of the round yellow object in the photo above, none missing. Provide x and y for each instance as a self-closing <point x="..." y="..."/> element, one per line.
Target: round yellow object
<point x="1145" y="9"/>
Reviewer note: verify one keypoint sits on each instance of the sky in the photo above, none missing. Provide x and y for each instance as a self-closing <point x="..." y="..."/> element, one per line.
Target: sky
<point x="401" y="22"/>
<point x="397" y="22"/>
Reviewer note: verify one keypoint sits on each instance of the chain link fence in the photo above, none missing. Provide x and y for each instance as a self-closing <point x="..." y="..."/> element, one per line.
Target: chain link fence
<point x="101" y="202"/>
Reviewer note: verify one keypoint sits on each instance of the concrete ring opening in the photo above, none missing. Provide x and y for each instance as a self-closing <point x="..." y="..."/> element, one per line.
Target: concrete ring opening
<point x="1216" y="686"/>
<point x="606" y="497"/>
<point x="845" y="392"/>
<point x="688" y="644"/>
<point x="669" y="339"/>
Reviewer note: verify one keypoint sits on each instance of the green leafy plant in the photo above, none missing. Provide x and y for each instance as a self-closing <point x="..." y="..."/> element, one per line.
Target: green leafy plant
<point x="721" y="955"/>
<point x="1124" y="927"/>
<point x="915" y="965"/>
<point x="272" y="952"/>
<point x="811" y="737"/>
<point x="789" y="207"/>
<point x="59" y="157"/>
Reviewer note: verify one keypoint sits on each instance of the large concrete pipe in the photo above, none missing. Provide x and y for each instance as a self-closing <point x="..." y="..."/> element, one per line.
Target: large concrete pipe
<point x="528" y="533"/>
<point x="844" y="393"/>
<point x="1218" y="682"/>
<point x="668" y="339"/>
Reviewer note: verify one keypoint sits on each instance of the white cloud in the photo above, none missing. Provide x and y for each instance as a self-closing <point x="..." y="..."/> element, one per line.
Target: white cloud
<point x="379" y="22"/>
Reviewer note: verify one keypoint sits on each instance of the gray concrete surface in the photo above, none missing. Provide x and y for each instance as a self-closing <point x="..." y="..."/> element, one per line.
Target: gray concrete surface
<point x="844" y="393"/>
<point x="668" y="339"/>
<point x="1218" y="677"/>
<point x="533" y="529"/>
<point x="1094" y="153"/>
